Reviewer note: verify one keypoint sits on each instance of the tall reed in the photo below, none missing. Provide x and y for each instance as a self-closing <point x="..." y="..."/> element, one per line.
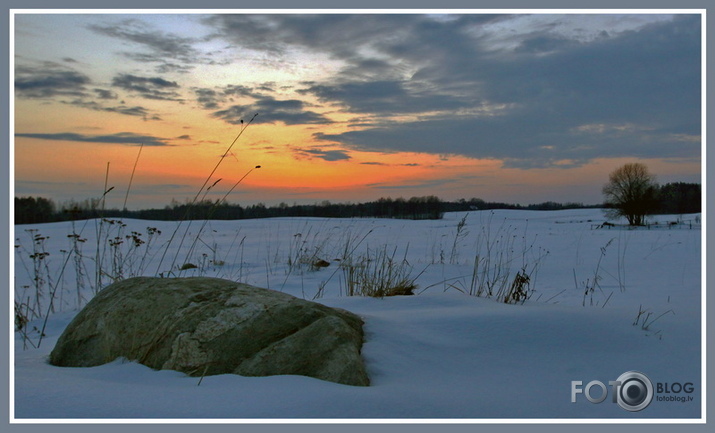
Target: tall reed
<point x="159" y="271"/>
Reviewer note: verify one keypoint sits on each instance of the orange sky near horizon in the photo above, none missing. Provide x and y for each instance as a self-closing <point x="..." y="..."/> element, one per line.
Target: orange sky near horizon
<point x="338" y="120"/>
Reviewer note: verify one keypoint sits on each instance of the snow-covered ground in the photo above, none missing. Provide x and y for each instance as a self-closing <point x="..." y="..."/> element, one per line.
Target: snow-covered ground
<point x="441" y="354"/>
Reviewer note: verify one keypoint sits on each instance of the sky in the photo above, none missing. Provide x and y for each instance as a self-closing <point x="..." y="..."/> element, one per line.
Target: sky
<point x="519" y="108"/>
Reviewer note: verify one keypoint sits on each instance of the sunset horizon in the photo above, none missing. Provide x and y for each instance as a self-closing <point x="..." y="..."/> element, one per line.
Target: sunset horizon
<point x="519" y="108"/>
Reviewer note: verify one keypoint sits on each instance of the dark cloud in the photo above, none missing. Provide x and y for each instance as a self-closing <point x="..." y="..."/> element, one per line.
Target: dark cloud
<point x="136" y="32"/>
<point x="546" y="102"/>
<point x="168" y="68"/>
<point x="533" y="144"/>
<point x="67" y="86"/>
<point x="136" y="111"/>
<point x="209" y="99"/>
<point x="49" y="80"/>
<point x="214" y="98"/>
<point x="168" y="51"/>
<point x="269" y="86"/>
<point x="148" y="87"/>
<point x="373" y="163"/>
<point x="105" y="94"/>
<point x="327" y="155"/>
<point x="528" y="93"/>
<point x="240" y="90"/>
<point x="544" y="44"/>
<point x="132" y="111"/>
<point x="387" y="97"/>
<point x="276" y="34"/>
<point x="408" y="164"/>
<point x="533" y="98"/>
<point x="270" y="110"/>
<point x="342" y="36"/>
<point x="127" y="138"/>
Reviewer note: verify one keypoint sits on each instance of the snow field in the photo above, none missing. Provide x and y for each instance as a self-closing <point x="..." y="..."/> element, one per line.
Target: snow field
<point x="441" y="354"/>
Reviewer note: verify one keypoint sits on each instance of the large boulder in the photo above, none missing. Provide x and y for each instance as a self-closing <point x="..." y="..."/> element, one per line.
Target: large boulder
<point x="207" y="326"/>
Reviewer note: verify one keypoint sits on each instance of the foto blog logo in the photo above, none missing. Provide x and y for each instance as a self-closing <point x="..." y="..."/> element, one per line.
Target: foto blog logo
<point x="632" y="391"/>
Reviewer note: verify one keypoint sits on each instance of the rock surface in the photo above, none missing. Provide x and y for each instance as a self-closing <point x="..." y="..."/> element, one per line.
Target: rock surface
<point x="207" y="326"/>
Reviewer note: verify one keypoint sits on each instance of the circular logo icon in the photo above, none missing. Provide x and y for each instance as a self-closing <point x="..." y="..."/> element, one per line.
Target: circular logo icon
<point x="635" y="392"/>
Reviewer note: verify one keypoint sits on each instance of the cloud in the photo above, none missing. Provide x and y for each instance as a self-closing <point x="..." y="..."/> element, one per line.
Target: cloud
<point x="209" y="99"/>
<point x="342" y="36"/>
<point x="271" y="110"/>
<point x="55" y="82"/>
<point x="327" y="155"/>
<point x="536" y="95"/>
<point x="52" y="81"/>
<point x="170" y="53"/>
<point x="407" y="164"/>
<point x="514" y="88"/>
<point x="213" y="98"/>
<point x="148" y="87"/>
<point x="240" y="90"/>
<point x="533" y="144"/>
<point x="536" y="90"/>
<point x="136" y="111"/>
<point x="49" y="80"/>
<point x="105" y="94"/>
<point x="269" y="86"/>
<point x="544" y="44"/>
<point x="134" y="31"/>
<point x="374" y="163"/>
<point x="388" y="98"/>
<point x="132" y="111"/>
<point x="127" y="138"/>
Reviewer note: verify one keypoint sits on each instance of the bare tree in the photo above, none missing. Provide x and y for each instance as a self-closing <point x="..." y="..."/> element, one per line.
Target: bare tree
<point x="631" y="192"/>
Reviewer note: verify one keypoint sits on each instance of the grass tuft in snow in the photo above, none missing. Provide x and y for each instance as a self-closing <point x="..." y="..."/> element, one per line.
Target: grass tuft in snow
<point x="495" y="258"/>
<point x="378" y="273"/>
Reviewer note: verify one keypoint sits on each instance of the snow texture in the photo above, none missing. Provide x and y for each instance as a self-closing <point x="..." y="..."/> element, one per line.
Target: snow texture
<point x="440" y="354"/>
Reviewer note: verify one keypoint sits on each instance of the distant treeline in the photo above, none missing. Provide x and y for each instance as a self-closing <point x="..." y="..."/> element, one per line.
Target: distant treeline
<point x="676" y="198"/>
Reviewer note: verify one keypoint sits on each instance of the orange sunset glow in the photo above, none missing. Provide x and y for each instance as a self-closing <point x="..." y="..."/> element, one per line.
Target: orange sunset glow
<point x="498" y="107"/>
